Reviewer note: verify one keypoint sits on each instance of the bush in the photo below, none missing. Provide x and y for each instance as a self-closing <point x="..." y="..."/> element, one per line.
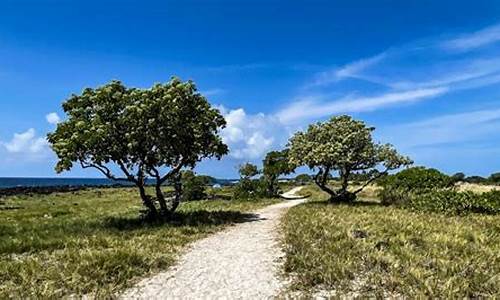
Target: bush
<point x="250" y="189"/>
<point x="453" y="202"/>
<point x="193" y="186"/>
<point x="399" y="187"/>
<point x="303" y="179"/>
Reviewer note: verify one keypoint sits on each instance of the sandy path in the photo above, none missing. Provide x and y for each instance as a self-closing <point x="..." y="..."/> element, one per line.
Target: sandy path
<point x="239" y="263"/>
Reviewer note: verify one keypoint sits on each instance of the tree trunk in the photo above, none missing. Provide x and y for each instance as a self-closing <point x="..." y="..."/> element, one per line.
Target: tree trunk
<point x="272" y="186"/>
<point x="164" y="211"/>
<point x="148" y="203"/>
<point x="321" y="181"/>
<point x="178" y="194"/>
<point x="344" y="195"/>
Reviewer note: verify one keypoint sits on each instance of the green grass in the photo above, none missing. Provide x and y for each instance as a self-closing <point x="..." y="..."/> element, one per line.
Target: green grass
<point x="378" y="251"/>
<point x="92" y="242"/>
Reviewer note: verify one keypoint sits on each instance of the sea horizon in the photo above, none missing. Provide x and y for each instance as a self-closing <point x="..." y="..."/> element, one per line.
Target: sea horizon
<point x="14" y="182"/>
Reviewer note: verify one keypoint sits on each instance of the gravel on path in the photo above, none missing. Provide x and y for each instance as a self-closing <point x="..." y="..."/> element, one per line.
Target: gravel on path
<point x="242" y="262"/>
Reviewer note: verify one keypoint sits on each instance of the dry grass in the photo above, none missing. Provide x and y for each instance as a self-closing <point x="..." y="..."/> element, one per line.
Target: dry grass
<point x="92" y="242"/>
<point x="370" y="250"/>
<point x="476" y="188"/>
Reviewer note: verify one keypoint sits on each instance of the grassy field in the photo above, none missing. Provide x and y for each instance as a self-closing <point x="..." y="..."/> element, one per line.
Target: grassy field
<point x="92" y="242"/>
<point x="371" y="250"/>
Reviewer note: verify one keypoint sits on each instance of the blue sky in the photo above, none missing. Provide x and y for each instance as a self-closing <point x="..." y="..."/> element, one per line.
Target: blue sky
<point x="425" y="73"/>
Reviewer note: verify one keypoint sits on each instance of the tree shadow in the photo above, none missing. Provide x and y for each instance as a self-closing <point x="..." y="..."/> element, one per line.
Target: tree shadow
<point x="182" y="219"/>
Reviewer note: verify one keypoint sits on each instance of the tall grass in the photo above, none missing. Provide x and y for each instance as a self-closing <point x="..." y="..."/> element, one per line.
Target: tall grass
<point x="371" y="250"/>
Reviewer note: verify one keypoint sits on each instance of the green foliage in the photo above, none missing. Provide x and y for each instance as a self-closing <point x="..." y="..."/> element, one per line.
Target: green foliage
<point x="417" y="178"/>
<point x="399" y="187"/>
<point x="275" y="164"/>
<point x="344" y="145"/>
<point x="476" y="179"/>
<point x="193" y="186"/>
<point x="303" y="179"/>
<point x="142" y="131"/>
<point x="248" y="188"/>
<point x="429" y="190"/>
<point x="494" y="178"/>
<point x="248" y="170"/>
<point x="457" y="177"/>
<point x="452" y="202"/>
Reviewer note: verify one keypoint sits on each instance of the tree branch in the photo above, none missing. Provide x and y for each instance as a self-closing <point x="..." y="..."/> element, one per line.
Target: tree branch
<point x="173" y="171"/>
<point x="321" y="182"/>
<point x="103" y="169"/>
<point x="124" y="169"/>
<point x="371" y="180"/>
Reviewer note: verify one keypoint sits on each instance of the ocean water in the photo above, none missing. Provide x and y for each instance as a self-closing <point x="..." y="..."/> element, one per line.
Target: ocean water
<point x="10" y="182"/>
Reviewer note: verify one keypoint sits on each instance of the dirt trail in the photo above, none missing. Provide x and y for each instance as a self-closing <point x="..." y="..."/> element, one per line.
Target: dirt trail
<point x="239" y="263"/>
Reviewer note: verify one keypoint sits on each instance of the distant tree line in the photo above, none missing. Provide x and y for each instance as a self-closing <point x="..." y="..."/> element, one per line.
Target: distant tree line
<point x="492" y="179"/>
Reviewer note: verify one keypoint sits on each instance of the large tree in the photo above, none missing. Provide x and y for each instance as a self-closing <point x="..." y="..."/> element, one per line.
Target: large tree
<point x="344" y="145"/>
<point x="275" y="164"/>
<point x="146" y="133"/>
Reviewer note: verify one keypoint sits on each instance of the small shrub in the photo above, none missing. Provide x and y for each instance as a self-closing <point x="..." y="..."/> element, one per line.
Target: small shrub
<point x="250" y="189"/>
<point x="303" y="179"/>
<point x="399" y="187"/>
<point x="193" y="186"/>
<point x="452" y="202"/>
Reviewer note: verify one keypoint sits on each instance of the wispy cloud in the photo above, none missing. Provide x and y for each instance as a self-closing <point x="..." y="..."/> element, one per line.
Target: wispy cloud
<point x="351" y="70"/>
<point x="450" y="128"/>
<point x="483" y="37"/>
<point x="311" y="108"/>
<point x="453" y="74"/>
<point x="240" y="67"/>
<point x="404" y="74"/>
<point x="213" y="92"/>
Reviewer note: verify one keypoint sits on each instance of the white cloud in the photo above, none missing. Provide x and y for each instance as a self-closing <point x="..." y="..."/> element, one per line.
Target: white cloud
<point x="451" y="128"/>
<point x="26" y="143"/>
<point x="455" y="74"/>
<point x="311" y="108"/>
<point x="251" y="136"/>
<point x="351" y="70"/>
<point x="481" y="38"/>
<point x="53" y="118"/>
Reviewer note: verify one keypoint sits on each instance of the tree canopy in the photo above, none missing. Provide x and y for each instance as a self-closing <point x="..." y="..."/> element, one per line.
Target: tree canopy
<point x="344" y="145"/>
<point x="152" y="132"/>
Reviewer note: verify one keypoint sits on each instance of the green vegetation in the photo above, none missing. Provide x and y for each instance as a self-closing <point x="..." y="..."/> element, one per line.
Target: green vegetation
<point x="94" y="242"/>
<point x="430" y="190"/>
<point x="369" y="249"/>
<point x="398" y="188"/>
<point x="143" y="132"/>
<point x="453" y="202"/>
<point x="303" y="179"/>
<point x="346" y="146"/>
<point x="193" y="186"/>
<point x="275" y="164"/>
